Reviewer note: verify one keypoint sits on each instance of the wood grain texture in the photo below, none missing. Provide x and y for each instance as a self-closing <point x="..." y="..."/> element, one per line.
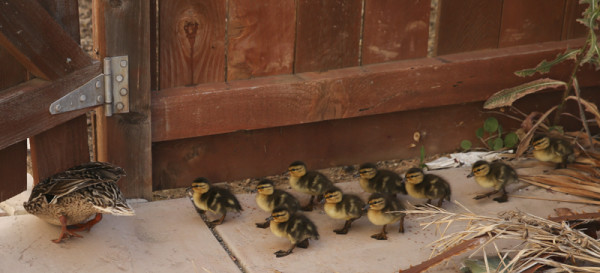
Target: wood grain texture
<point x="533" y="21"/>
<point x="344" y="93"/>
<point x="192" y="42"/>
<point x="353" y="141"/>
<point x="395" y="30"/>
<point x="327" y="34"/>
<point x="260" y="38"/>
<point x="66" y="14"/>
<point x="571" y="28"/>
<point x="125" y="138"/>
<point x="468" y="25"/>
<point x="27" y="105"/>
<point x="31" y="35"/>
<point x="11" y="70"/>
<point x="59" y="148"/>
<point x="13" y="170"/>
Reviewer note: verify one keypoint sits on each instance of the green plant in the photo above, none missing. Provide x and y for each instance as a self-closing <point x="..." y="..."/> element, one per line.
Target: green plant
<point x="490" y="134"/>
<point x="589" y="53"/>
<point x="422" y="158"/>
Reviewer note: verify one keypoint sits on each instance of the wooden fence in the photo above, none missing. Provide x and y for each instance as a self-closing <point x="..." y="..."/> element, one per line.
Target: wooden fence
<point x="232" y="89"/>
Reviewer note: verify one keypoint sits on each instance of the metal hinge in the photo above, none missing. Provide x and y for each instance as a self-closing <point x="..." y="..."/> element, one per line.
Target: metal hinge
<point x="110" y="88"/>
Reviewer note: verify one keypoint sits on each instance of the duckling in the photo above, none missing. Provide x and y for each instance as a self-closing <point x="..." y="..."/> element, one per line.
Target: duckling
<point x="214" y="199"/>
<point x="428" y="186"/>
<point x="384" y="209"/>
<point x="553" y="149"/>
<point x="268" y="198"/>
<point x="496" y="175"/>
<point x="71" y="197"/>
<point x="373" y="180"/>
<point x="296" y="227"/>
<point x="343" y="206"/>
<point x="310" y="182"/>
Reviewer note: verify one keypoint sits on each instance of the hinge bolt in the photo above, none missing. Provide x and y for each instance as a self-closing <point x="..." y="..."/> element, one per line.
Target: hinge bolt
<point x="123" y="92"/>
<point x="57" y="107"/>
<point x="82" y="98"/>
<point x="120" y="106"/>
<point x="98" y="84"/>
<point x="119" y="78"/>
<point x="123" y="63"/>
<point x="99" y="98"/>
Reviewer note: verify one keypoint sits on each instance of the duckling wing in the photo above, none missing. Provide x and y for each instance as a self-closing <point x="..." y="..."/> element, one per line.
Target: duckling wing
<point x="317" y="182"/>
<point x="284" y="199"/>
<point x="437" y="187"/>
<point x="222" y="200"/>
<point x="352" y="205"/>
<point x="299" y="227"/>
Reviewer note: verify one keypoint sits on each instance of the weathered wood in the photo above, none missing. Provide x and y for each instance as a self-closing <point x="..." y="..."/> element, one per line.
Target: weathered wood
<point x="571" y="28"/>
<point x="27" y="105"/>
<point x="260" y="38"/>
<point x="327" y="34"/>
<point x="532" y="21"/>
<point x="39" y="43"/>
<point x="66" y="145"/>
<point x="258" y="153"/>
<point x="468" y="25"/>
<point x="154" y="54"/>
<point x="66" y="14"/>
<point x="59" y="148"/>
<point x="125" y="138"/>
<point x="395" y="30"/>
<point x="310" y="97"/>
<point x="11" y="70"/>
<point x="192" y="42"/>
<point x="13" y="169"/>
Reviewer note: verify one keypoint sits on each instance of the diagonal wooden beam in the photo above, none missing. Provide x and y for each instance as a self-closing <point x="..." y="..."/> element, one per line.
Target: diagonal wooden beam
<point x="25" y="107"/>
<point x="37" y="41"/>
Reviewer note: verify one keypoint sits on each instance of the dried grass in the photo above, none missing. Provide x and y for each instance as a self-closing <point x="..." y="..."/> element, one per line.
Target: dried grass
<point x="542" y="241"/>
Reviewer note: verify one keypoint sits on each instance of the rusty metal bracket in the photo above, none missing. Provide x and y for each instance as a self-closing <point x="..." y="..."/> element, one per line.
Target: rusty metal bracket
<point x="110" y="88"/>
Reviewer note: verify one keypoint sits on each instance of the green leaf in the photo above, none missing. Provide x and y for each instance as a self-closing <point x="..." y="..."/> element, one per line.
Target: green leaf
<point x="466" y="144"/>
<point x="500" y="130"/>
<point x="506" y="97"/>
<point x="544" y="66"/>
<point x="490" y="143"/>
<point x="497" y="144"/>
<point x="510" y="140"/>
<point x="422" y="153"/>
<point x="490" y="125"/>
<point x="479" y="132"/>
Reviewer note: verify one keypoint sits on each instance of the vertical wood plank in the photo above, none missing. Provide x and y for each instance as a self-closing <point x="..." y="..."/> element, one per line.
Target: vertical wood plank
<point x="13" y="170"/>
<point x="125" y="138"/>
<point x="260" y="38"/>
<point x="328" y="34"/>
<point x="533" y="21"/>
<point x="59" y="148"/>
<point x="66" y="145"/>
<point x="154" y="56"/>
<point x="66" y="14"/>
<point x="192" y="42"/>
<point x="468" y="25"/>
<point x="571" y="28"/>
<point x="395" y="30"/>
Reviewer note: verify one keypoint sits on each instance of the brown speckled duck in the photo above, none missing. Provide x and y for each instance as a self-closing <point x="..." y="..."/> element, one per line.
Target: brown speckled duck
<point x="71" y="197"/>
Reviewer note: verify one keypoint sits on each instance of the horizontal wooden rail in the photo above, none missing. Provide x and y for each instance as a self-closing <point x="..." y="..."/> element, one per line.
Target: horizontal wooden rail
<point x="216" y="108"/>
<point x="25" y="108"/>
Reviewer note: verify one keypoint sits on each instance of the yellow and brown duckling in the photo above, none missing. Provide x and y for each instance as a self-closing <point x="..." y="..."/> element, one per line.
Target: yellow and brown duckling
<point x="343" y="206"/>
<point x="385" y="181"/>
<point x="294" y="226"/>
<point x="427" y="186"/>
<point x="310" y="182"/>
<point x="495" y="175"/>
<point x="268" y="198"/>
<point x="69" y="198"/>
<point x="383" y="210"/>
<point x="214" y="199"/>
<point x="553" y="149"/>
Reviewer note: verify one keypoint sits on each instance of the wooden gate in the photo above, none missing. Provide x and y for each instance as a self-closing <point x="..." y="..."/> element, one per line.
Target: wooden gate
<point x="232" y="89"/>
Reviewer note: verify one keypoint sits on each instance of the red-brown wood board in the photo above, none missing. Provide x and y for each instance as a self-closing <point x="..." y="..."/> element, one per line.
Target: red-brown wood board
<point x="327" y="34"/>
<point x="351" y="92"/>
<point x="258" y="153"/>
<point x="192" y="42"/>
<point x="260" y="37"/>
<point x="13" y="168"/>
<point x="395" y="30"/>
<point x="532" y="21"/>
<point x="123" y="28"/>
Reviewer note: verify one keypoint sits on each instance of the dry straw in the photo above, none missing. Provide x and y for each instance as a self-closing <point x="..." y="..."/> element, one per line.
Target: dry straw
<point x="541" y="242"/>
